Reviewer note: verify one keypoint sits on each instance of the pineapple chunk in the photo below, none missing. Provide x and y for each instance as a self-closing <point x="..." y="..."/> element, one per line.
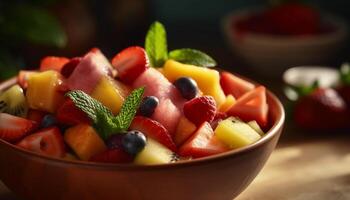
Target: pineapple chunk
<point x="256" y="127"/>
<point x="84" y="141"/>
<point x="110" y="93"/>
<point x="228" y="103"/>
<point x="235" y="133"/>
<point x="154" y="153"/>
<point x="42" y="92"/>
<point x="208" y="80"/>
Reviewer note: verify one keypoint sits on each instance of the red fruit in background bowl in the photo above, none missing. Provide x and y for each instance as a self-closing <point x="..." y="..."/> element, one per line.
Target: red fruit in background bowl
<point x="322" y="109"/>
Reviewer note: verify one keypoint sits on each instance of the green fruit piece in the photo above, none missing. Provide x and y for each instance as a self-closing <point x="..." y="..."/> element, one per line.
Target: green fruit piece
<point x="154" y="153"/>
<point x="235" y="133"/>
<point x="256" y="127"/>
<point x="13" y="101"/>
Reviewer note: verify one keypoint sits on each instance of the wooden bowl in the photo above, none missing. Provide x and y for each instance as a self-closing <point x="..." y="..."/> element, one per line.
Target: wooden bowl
<point x="224" y="176"/>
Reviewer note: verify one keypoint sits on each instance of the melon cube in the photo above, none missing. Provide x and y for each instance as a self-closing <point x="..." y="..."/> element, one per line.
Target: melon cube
<point x="111" y="94"/>
<point x="154" y="153"/>
<point x="42" y="92"/>
<point x="208" y="80"/>
<point x="235" y="133"/>
<point x="84" y="141"/>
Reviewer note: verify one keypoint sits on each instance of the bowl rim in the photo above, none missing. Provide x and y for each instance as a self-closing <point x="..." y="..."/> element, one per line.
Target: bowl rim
<point x="340" y="32"/>
<point x="270" y="134"/>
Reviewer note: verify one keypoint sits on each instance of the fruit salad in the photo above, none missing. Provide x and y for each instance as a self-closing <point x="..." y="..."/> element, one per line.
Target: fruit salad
<point x="145" y="106"/>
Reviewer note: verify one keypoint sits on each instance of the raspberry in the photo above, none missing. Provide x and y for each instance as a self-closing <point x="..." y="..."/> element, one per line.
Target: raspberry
<point x="200" y="109"/>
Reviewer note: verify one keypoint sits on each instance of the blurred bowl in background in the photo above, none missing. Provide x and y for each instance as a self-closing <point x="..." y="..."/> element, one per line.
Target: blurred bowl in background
<point x="271" y="55"/>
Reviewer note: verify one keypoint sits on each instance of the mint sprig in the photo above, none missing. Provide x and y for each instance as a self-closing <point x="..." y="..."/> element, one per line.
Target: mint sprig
<point x="157" y="50"/>
<point x="193" y="57"/>
<point x="103" y="120"/>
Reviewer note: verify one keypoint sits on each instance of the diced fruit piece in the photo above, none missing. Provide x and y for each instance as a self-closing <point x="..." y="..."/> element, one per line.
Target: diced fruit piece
<point x="235" y="133"/>
<point x="23" y="76"/>
<point x="13" y="102"/>
<point x="154" y="153"/>
<point x="252" y="106"/>
<point x="153" y="129"/>
<point x="148" y="105"/>
<point x="53" y="63"/>
<point x="169" y="120"/>
<point x="202" y="143"/>
<point x="48" y="120"/>
<point x="184" y="130"/>
<point x="227" y="104"/>
<point x="47" y="141"/>
<point x="234" y="85"/>
<point x="69" y="114"/>
<point x="36" y="115"/>
<point x="112" y="156"/>
<point x="187" y="86"/>
<point x="84" y="141"/>
<point x="130" y="63"/>
<point x="42" y="93"/>
<point x="13" y="128"/>
<point x="110" y="93"/>
<point x="208" y="80"/>
<point x="200" y="109"/>
<point x="87" y="75"/>
<point x="70" y="66"/>
<point x="133" y="142"/>
<point x="256" y="127"/>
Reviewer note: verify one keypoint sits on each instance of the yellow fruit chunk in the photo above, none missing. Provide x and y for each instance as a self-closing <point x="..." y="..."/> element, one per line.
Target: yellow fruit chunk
<point x="184" y="130"/>
<point x="84" y="141"/>
<point x="111" y="94"/>
<point x="208" y="80"/>
<point x="154" y="153"/>
<point x="256" y="127"/>
<point x="235" y="133"/>
<point x="42" y="92"/>
<point x="227" y="104"/>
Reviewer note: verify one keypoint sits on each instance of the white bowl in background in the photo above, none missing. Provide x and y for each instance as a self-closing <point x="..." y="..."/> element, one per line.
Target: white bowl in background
<point x="271" y="55"/>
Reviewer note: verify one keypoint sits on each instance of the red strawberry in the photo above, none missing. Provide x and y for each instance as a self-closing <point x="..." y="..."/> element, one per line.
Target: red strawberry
<point x="13" y="128"/>
<point x="69" y="67"/>
<point x="202" y="143"/>
<point x="200" y="109"/>
<point x="48" y="141"/>
<point x="234" y="85"/>
<point x="322" y="109"/>
<point x="53" y="63"/>
<point x="154" y="130"/>
<point x="112" y="156"/>
<point x="130" y="63"/>
<point x="23" y="77"/>
<point x="69" y="114"/>
<point x="293" y="19"/>
<point x="36" y="115"/>
<point x="252" y="106"/>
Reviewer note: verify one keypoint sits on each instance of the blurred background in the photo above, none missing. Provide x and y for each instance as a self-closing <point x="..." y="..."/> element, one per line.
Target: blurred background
<point x="32" y="29"/>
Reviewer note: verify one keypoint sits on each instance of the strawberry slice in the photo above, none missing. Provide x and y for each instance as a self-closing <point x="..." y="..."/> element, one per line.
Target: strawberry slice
<point x="252" y="106"/>
<point x="70" y="66"/>
<point x="53" y="63"/>
<point x="202" y="143"/>
<point x="48" y="141"/>
<point x="13" y="128"/>
<point x="200" y="109"/>
<point x="23" y="77"/>
<point x="234" y="85"/>
<point x="69" y="114"/>
<point x="154" y="130"/>
<point x="112" y="156"/>
<point x="130" y="63"/>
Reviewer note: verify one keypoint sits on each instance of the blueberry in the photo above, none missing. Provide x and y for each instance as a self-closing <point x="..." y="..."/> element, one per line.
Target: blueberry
<point x="48" y="120"/>
<point x="187" y="87"/>
<point x="148" y="105"/>
<point x="115" y="141"/>
<point x="133" y="142"/>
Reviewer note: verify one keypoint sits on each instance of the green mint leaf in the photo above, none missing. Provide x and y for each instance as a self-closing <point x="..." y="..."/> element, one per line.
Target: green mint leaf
<point x="156" y="44"/>
<point x="88" y="105"/>
<point x="105" y="125"/>
<point x="193" y="57"/>
<point x="129" y="109"/>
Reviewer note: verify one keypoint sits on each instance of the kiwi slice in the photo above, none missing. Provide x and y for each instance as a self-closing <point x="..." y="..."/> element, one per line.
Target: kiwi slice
<point x="13" y="101"/>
